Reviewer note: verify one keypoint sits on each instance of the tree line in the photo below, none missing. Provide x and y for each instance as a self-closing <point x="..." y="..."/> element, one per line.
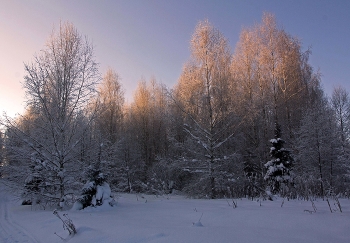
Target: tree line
<point x="236" y="124"/>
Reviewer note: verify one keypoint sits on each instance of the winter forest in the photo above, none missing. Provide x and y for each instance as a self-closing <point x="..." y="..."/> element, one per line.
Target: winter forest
<point x="244" y="121"/>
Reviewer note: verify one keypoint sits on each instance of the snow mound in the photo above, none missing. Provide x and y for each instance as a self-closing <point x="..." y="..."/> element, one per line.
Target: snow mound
<point x="77" y="206"/>
<point x="103" y="192"/>
<point x="198" y="224"/>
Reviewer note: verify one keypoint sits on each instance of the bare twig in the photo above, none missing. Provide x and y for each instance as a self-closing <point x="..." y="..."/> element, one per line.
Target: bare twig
<point x="60" y="237"/>
<point x="234" y="204"/>
<point x="313" y="205"/>
<point x="329" y="205"/>
<point x="67" y="223"/>
<point x="337" y="203"/>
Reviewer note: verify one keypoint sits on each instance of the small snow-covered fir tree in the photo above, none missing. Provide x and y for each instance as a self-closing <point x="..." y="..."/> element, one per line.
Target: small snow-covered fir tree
<point x="95" y="191"/>
<point x="279" y="167"/>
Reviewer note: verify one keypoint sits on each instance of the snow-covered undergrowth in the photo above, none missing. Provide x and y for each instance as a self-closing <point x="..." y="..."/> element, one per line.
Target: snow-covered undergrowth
<point x="148" y="218"/>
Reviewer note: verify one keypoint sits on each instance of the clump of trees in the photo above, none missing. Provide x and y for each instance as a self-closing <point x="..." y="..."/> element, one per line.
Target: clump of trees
<point x="208" y="136"/>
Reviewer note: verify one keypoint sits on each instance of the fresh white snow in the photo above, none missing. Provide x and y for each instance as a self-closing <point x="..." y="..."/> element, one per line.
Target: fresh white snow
<point x="103" y="192"/>
<point x="147" y="218"/>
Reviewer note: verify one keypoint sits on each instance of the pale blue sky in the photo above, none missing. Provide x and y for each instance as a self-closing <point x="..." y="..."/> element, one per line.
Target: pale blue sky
<point x="151" y="38"/>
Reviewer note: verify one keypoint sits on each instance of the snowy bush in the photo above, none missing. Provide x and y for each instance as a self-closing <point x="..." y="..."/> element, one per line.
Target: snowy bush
<point x="94" y="192"/>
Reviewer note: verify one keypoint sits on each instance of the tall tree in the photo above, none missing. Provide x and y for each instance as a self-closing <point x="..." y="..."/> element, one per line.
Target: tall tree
<point x="108" y="126"/>
<point x="205" y="93"/>
<point x="317" y="146"/>
<point x="58" y="84"/>
<point x="246" y="69"/>
<point x="110" y="110"/>
<point x="146" y="142"/>
<point x="149" y="114"/>
<point x="274" y="75"/>
<point x="280" y="59"/>
<point x="340" y="102"/>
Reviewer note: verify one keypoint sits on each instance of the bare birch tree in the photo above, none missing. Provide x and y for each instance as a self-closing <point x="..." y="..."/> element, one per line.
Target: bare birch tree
<point x="110" y="110"/>
<point x="340" y="102"/>
<point x="317" y="147"/>
<point x="58" y="83"/>
<point x="205" y="93"/>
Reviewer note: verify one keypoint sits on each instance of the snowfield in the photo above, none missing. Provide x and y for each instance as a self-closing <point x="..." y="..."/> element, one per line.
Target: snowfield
<point x="147" y="218"/>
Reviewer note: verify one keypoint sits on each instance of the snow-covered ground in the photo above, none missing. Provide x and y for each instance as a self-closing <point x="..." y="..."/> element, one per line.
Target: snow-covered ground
<point x="175" y="219"/>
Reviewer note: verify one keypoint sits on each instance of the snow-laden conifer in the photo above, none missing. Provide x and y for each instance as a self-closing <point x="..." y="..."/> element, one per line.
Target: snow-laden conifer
<point x="279" y="167"/>
<point x="95" y="191"/>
